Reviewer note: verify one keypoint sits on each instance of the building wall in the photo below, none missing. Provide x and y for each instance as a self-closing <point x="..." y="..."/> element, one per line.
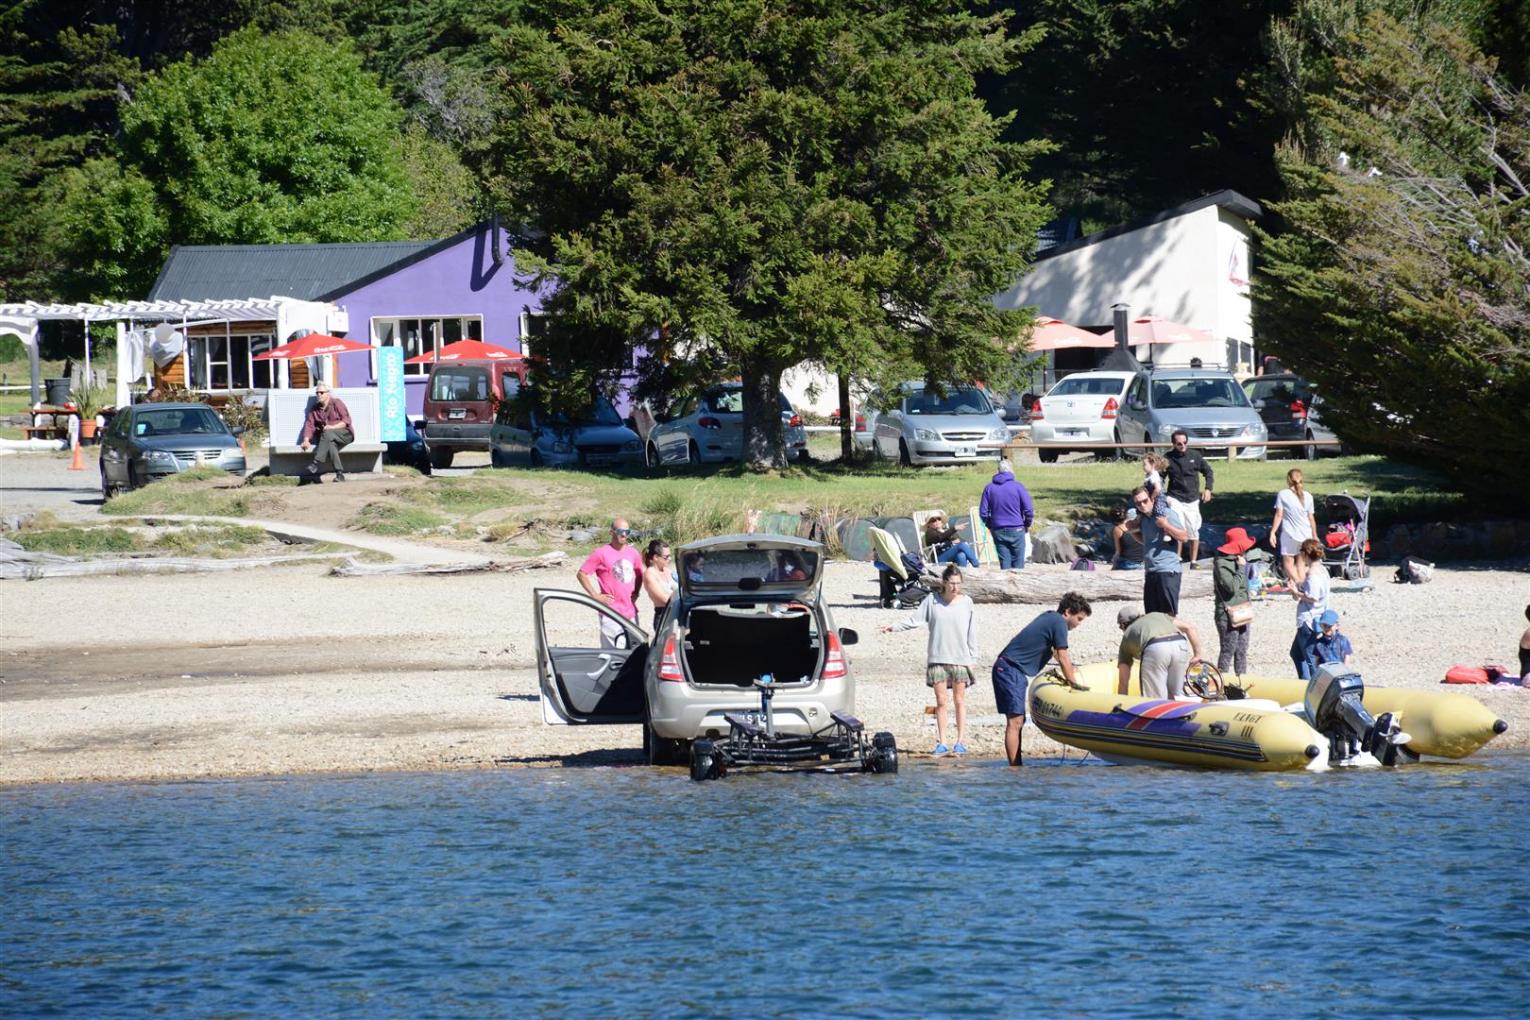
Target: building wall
<point x="460" y="280"/>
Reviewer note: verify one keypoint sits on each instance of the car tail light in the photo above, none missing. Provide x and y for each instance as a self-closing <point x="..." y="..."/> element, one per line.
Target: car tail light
<point x="1298" y="410"/>
<point x="833" y="661"/>
<point x="860" y="423"/>
<point x="795" y="421"/>
<point x="1110" y="408"/>
<point x="669" y="665"/>
<point x="1036" y="414"/>
<point x="709" y="423"/>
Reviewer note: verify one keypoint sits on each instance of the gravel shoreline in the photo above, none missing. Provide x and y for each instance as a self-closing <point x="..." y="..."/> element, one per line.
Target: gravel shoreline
<point x="286" y="670"/>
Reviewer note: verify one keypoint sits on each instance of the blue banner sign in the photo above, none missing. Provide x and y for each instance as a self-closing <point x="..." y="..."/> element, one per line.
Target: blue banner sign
<point x="390" y="394"/>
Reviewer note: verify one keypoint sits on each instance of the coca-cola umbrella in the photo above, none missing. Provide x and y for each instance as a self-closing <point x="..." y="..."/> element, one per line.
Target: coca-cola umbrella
<point x="1150" y="329"/>
<point x="1056" y="335"/>
<point x="312" y="346"/>
<point x="466" y="350"/>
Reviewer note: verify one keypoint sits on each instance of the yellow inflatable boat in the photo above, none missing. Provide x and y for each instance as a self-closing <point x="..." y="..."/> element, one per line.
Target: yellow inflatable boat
<point x="1273" y="729"/>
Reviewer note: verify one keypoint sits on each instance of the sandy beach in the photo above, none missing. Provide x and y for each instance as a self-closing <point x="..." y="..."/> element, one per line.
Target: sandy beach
<point x="286" y="670"/>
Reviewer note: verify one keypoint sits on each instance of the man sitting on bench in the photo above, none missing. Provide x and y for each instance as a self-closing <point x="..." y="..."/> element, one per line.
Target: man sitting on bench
<point x="330" y="419"/>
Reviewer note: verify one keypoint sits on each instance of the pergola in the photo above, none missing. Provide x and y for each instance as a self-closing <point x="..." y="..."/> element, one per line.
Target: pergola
<point x="289" y="314"/>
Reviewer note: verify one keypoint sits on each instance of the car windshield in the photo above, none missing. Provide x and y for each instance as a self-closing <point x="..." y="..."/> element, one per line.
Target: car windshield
<point x="459" y="384"/>
<point x="1088" y="386"/>
<point x="179" y="422"/>
<point x="1173" y="393"/>
<point x="749" y="569"/>
<point x="600" y="413"/>
<point x="959" y="401"/>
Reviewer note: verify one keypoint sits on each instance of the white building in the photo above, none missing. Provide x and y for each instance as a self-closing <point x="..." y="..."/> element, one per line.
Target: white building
<point x="1189" y="264"/>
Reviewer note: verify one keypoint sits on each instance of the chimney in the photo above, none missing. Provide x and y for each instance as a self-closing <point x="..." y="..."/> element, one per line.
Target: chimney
<point x="1121" y="359"/>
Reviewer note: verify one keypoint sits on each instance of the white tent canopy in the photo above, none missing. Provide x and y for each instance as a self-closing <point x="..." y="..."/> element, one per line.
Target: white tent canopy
<point x="290" y="315"/>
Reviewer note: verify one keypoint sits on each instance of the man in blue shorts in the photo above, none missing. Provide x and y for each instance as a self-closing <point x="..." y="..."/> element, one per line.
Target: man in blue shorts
<point x="1024" y="657"/>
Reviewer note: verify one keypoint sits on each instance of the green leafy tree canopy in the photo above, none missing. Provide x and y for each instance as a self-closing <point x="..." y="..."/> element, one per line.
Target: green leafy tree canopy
<point x="737" y="187"/>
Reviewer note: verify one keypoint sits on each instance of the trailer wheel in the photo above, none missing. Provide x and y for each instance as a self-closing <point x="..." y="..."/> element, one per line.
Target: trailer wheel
<point x="884" y="754"/>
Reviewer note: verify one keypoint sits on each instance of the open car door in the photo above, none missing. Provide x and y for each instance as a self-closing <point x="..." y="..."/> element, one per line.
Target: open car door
<point x="582" y="684"/>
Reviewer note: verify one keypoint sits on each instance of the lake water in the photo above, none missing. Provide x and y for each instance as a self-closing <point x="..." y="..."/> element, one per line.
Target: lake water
<point x="1060" y="890"/>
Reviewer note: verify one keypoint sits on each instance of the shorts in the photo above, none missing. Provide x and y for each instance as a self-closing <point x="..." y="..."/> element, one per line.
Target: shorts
<point x="612" y="633"/>
<point x="1009" y="684"/>
<point x="946" y="673"/>
<point x="1189" y="515"/>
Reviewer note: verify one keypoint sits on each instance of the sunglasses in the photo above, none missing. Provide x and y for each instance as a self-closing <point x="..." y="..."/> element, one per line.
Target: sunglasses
<point x="622" y="532"/>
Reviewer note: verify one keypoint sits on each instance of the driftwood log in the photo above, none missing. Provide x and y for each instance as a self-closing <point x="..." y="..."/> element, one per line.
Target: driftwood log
<point x="1038" y="587"/>
<point x="515" y="566"/>
<point x="17" y="569"/>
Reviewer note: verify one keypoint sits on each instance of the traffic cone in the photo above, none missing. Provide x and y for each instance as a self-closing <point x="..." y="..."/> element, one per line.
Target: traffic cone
<point x="78" y="464"/>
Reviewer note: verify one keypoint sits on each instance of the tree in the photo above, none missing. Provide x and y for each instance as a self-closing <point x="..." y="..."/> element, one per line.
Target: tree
<point x="738" y="187"/>
<point x="1400" y="283"/>
<point x="273" y="138"/>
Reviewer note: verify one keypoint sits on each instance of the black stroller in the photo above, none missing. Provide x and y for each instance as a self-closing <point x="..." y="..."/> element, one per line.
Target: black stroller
<point x="1347" y="543"/>
<point x="900" y="574"/>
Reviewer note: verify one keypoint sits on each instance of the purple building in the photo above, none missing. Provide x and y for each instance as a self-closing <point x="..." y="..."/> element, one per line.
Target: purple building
<point x="412" y="294"/>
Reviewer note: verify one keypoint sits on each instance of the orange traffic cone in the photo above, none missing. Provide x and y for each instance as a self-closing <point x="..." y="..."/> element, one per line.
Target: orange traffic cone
<point x="78" y="464"/>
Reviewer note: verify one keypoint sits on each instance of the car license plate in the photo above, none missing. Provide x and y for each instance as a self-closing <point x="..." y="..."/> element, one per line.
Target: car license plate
<point x="966" y="451"/>
<point x="457" y="413"/>
<point x="1070" y="433"/>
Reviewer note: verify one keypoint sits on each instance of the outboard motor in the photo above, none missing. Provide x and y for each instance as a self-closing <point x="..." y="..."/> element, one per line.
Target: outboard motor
<point x="1354" y="737"/>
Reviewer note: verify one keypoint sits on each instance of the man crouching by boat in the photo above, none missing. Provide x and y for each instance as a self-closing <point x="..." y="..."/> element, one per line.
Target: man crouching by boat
<point x="1023" y="657"/>
<point x="1167" y="646"/>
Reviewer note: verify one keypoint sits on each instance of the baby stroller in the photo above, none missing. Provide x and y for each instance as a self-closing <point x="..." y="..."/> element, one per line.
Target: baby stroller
<point x="900" y="573"/>
<point x="1348" y="541"/>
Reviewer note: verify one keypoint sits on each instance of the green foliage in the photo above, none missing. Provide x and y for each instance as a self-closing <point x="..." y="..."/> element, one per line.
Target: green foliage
<point x="185" y="493"/>
<point x="68" y="541"/>
<point x="739" y="187"/>
<point x="446" y="192"/>
<point x="271" y="138"/>
<point x="1401" y="283"/>
<point x="395" y="519"/>
<point x="88" y="398"/>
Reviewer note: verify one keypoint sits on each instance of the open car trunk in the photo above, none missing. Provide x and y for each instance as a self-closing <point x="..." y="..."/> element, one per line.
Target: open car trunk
<point x="737" y="643"/>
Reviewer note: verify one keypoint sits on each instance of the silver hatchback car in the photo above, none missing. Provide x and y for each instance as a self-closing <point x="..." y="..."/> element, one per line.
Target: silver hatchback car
<point x="708" y="428"/>
<point x="920" y="426"/>
<point x="747" y="605"/>
<point x="1208" y="405"/>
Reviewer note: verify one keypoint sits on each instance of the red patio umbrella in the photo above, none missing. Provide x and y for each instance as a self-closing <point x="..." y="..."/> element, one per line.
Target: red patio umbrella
<point x="1149" y="329"/>
<point x="310" y="346"/>
<point x="1055" y="335"/>
<point x="467" y="350"/>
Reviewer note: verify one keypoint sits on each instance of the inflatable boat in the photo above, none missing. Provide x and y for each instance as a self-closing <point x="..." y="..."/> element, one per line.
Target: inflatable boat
<point x="1278" y="725"/>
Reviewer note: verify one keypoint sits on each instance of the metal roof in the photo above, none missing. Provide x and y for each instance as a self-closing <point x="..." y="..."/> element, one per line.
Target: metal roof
<point x="168" y="311"/>
<point x="207" y="272"/>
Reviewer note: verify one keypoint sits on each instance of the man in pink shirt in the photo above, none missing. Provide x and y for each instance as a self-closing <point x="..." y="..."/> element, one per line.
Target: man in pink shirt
<point x="613" y="574"/>
<point x="330" y="419"/>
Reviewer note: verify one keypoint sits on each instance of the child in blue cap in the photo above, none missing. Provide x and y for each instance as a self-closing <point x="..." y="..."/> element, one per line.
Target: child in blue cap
<point x="1331" y="645"/>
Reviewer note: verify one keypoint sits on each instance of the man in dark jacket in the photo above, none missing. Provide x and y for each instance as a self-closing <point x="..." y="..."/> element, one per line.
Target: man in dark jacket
<point x="1007" y="510"/>
<point x="1184" y="488"/>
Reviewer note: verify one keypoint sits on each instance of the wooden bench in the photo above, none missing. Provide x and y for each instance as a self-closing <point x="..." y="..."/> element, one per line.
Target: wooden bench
<point x="46" y="431"/>
<point x="286" y="411"/>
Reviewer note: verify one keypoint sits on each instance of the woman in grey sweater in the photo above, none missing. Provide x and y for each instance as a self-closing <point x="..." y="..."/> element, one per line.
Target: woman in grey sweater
<point x="952" y="651"/>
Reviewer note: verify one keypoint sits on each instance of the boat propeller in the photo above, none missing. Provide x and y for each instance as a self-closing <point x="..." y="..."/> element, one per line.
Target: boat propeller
<point x="1355" y="737"/>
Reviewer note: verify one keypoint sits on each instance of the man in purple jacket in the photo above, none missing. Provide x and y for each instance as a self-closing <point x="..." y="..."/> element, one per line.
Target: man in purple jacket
<point x="1007" y="510"/>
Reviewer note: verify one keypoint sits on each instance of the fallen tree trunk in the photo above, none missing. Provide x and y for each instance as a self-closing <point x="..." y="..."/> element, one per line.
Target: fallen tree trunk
<point x="36" y="570"/>
<point x="515" y="566"/>
<point x="1036" y="587"/>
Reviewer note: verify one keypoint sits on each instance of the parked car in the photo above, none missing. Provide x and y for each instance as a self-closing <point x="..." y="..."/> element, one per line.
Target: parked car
<point x="1290" y="408"/>
<point x="149" y="441"/>
<point x="747" y="605"/>
<point x="409" y="451"/>
<point x="708" y="428"/>
<point x="460" y="398"/>
<point x="920" y="426"/>
<point x="1080" y="409"/>
<point x="522" y="435"/>
<point x="1207" y="404"/>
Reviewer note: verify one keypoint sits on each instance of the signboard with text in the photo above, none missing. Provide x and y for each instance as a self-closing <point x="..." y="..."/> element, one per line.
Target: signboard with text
<point x="390" y="394"/>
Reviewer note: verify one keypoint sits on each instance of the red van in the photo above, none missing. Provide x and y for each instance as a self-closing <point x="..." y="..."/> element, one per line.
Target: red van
<point x="460" y="399"/>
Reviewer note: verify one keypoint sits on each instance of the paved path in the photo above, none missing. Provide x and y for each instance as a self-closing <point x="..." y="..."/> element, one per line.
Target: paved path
<point x="401" y="550"/>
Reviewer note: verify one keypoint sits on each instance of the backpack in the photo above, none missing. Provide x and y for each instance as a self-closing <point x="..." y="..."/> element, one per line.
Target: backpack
<point x="1082" y="563"/>
<point x="1414" y="571"/>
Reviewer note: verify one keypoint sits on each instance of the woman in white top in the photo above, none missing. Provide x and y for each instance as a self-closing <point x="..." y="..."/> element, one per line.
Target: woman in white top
<point x="952" y="651"/>
<point x="1311" y="603"/>
<point x="1294" y="524"/>
<point x="659" y="579"/>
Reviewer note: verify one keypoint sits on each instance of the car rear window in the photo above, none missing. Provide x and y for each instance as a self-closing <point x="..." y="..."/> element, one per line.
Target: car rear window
<point x="958" y="401"/>
<point x="1172" y="393"/>
<point x="1088" y="386"/>
<point x="173" y="422"/>
<point x="460" y="384"/>
<point x="744" y="569"/>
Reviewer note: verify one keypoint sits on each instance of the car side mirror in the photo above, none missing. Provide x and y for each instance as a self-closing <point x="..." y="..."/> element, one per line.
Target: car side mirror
<point x="237" y="430"/>
<point x="848" y="636"/>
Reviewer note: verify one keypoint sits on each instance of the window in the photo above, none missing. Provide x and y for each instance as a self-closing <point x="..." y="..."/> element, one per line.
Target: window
<point x="1088" y="386"/>
<point x="1179" y="393"/>
<point x="228" y="362"/>
<point x="464" y="383"/>
<point x="957" y="401"/>
<point x="424" y="336"/>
